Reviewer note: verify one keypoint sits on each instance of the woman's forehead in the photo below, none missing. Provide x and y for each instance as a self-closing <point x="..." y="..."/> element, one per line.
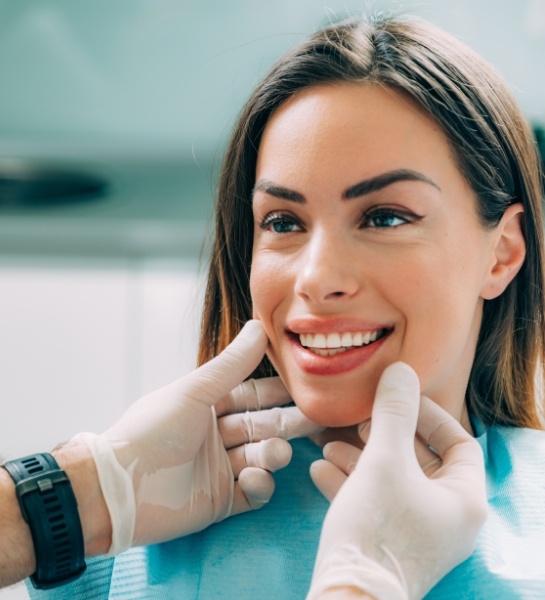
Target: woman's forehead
<point x="354" y="131"/>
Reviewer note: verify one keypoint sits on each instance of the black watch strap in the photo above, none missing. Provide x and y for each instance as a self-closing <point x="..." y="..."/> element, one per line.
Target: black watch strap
<point x="49" y="506"/>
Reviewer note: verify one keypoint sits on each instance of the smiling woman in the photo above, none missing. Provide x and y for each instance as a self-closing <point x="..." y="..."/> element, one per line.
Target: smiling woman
<point x="401" y="258"/>
<point x="381" y="159"/>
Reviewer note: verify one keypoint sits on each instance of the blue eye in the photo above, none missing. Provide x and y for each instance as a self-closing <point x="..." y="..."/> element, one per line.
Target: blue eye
<point x="384" y="220"/>
<point x="280" y="223"/>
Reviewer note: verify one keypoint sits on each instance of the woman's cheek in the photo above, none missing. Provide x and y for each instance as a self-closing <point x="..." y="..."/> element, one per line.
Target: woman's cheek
<point x="256" y="292"/>
<point x="266" y="287"/>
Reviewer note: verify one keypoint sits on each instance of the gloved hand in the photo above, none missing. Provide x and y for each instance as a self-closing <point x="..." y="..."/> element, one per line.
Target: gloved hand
<point x="391" y="531"/>
<point x="341" y="457"/>
<point x="253" y="422"/>
<point x="163" y="467"/>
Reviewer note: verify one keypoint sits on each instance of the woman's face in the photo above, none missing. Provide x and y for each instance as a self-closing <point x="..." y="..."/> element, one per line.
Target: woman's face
<point x="367" y="250"/>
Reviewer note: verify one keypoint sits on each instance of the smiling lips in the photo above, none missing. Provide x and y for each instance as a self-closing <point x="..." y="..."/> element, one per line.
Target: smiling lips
<point x="331" y="344"/>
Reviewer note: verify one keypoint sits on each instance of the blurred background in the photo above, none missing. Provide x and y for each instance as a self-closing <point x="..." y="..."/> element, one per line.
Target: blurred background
<point x="113" y="116"/>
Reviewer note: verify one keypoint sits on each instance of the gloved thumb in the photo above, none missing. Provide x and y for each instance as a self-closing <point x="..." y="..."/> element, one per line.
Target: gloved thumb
<point x="223" y="373"/>
<point x="396" y="406"/>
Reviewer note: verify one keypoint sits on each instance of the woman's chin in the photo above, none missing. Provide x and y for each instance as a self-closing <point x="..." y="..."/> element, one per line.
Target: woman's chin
<point x="333" y="413"/>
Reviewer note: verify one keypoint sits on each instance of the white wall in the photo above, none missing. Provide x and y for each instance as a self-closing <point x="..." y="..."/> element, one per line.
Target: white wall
<point x="81" y="338"/>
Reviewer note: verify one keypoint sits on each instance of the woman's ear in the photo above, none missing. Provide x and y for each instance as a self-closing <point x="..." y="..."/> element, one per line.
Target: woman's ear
<point x="508" y="250"/>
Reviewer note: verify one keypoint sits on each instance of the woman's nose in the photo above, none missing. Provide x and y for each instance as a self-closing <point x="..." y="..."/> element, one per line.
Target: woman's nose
<point x="328" y="270"/>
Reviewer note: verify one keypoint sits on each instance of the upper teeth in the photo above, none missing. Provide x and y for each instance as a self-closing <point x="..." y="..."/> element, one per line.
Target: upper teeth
<point x="337" y="340"/>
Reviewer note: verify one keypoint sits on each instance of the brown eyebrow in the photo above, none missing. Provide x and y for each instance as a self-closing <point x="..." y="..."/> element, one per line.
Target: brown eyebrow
<point x="381" y="181"/>
<point x="374" y="184"/>
<point x="279" y="191"/>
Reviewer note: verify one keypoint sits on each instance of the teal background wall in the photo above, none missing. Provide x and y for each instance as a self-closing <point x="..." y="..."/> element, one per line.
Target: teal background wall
<point x="170" y="75"/>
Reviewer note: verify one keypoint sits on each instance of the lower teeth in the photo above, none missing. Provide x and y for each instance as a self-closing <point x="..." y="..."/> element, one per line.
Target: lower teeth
<point x="328" y="351"/>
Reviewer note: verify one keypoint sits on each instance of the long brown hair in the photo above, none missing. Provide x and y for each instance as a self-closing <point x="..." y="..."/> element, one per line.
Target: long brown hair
<point x="495" y="151"/>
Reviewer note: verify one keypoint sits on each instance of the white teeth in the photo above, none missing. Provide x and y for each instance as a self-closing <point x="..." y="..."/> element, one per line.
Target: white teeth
<point x="333" y="340"/>
<point x="328" y="351"/>
<point x="320" y="341"/>
<point x="346" y="340"/>
<point x="337" y="341"/>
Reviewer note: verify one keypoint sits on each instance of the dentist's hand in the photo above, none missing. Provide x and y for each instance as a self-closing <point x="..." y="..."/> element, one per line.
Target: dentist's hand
<point x="391" y="531"/>
<point x="164" y="469"/>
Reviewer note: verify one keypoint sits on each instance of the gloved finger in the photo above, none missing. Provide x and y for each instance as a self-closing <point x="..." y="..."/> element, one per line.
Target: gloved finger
<point x="338" y="434"/>
<point x="438" y="428"/>
<point x="395" y="410"/>
<point x="253" y="490"/>
<point x="428" y="460"/>
<point x="269" y="455"/>
<point x="327" y="478"/>
<point x="219" y="376"/>
<point x="254" y="394"/>
<point x="458" y="450"/>
<point x="364" y="429"/>
<point x="286" y="423"/>
<point x="344" y="456"/>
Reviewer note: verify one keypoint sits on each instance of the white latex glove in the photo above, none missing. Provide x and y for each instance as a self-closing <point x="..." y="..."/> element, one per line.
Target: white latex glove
<point x="341" y="457"/>
<point x="253" y="422"/>
<point x="391" y="532"/>
<point x="163" y="467"/>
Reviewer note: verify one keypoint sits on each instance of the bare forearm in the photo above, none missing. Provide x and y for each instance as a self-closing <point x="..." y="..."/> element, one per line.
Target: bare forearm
<point x="16" y="549"/>
<point x="17" y="559"/>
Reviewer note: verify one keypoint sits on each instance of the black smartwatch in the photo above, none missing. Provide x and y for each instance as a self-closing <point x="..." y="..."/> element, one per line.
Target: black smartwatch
<point x="49" y="506"/>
